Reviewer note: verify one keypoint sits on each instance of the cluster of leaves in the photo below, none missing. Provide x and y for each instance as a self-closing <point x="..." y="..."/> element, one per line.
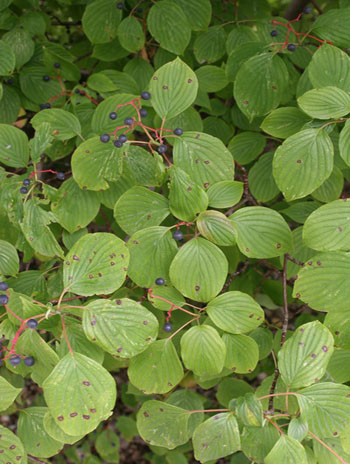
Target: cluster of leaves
<point x="132" y="253"/>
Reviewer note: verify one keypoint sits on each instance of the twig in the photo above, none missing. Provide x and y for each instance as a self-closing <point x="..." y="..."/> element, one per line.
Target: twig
<point x="235" y="274"/>
<point x="327" y="447"/>
<point x="318" y="8"/>
<point x="295" y="261"/>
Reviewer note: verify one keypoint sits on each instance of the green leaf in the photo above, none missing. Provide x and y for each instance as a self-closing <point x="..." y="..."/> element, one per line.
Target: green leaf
<point x="260" y="179"/>
<point x="145" y="168"/>
<point x="325" y="103"/>
<point x="7" y="59"/>
<point x="168" y="25"/>
<point x="64" y="206"/>
<point x="287" y="450"/>
<point x="225" y="193"/>
<point x="68" y="70"/>
<point x="122" y="327"/>
<point x="107" y="445"/>
<point x="101" y="83"/>
<point x="36" y="231"/>
<point x="303" y="162"/>
<point x="235" y="312"/>
<point x="260" y="84"/>
<point x="322" y="282"/>
<point x="199" y="270"/>
<point x="31" y="344"/>
<point x="239" y="35"/>
<point x="100" y="21"/>
<point x="305" y="355"/>
<point x="8" y="394"/>
<point x="249" y="410"/>
<point x="162" y="424"/>
<point x="261" y="232"/>
<point x="198" y="13"/>
<point x="344" y="142"/>
<point x="327" y="228"/>
<point x="95" y="163"/>
<point x="284" y="122"/>
<point x="173" y="87"/>
<point x="12" y="447"/>
<point x="209" y="46"/>
<point x="139" y="208"/>
<point x="330" y="66"/>
<point x="78" y="342"/>
<point x="21" y="44"/>
<point x="331" y="188"/>
<point x="203" y="157"/>
<point x="157" y="369"/>
<point x="324" y="456"/>
<point x="130" y="34"/>
<point x="33" y="435"/>
<point x="257" y="442"/>
<point x="55" y="432"/>
<point x="13" y="146"/>
<point x="217" y="437"/>
<point x="186" y="198"/>
<point x="231" y="388"/>
<point x="191" y="401"/>
<point x="300" y="252"/>
<point x="80" y="393"/>
<point x="155" y="248"/>
<point x="338" y="365"/>
<point x="215" y="226"/>
<point x="96" y="264"/>
<point x="10" y="105"/>
<point x="35" y="88"/>
<point x="298" y="428"/>
<point x="9" y="261"/>
<point x="334" y="26"/>
<point x="241" y="53"/>
<point x="326" y="408"/>
<point x="246" y="146"/>
<point x="242" y="353"/>
<point x="338" y="322"/>
<point x="203" y="351"/>
<point x="211" y="78"/>
<point x="64" y="125"/>
<point x="40" y="141"/>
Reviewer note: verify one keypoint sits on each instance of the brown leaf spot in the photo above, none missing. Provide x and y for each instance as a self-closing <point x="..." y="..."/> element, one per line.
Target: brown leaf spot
<point x="68" y="263"/>
<point x="73" y="414"/>
<point x="206" y="162"/>
<point x="12" y="447"/>
<point x="145" y="322"/>
<point x="299" y="161"/>
<point x="60" y="418"/>
<point x="309" y="263"/>
<point x="155" y="78"/>
<point x="297" y="295"/>
<point x="247" y="249"/>
<point x="250" y="316"/>
<point x="189" y="189"/>
<point x="148" y="217"/>
<point x="112" y="263"/>
<point x="18" y="458"/>
<point x="274" y="87"/>
<point x="278" y="245"/>
<point x="93" y="321"/>
<point x="86" y="383"/>
<point x="325" y="348"/>
<point x="335" y="433"/>
<point x="197" y="136"/>
<point x="161" y="409"/>
<point x="197" y="288"/>
<point x="146" y="414"/>
<point x="119" y="302"/>
<point x="340" y="229"/>
<point x="245" y="102"/>
<point x="301" y="329"/>
<point x="233" y="368"/>
<point x="76" y="258"/>
<point x="165" y="87"/>
<point x="313" y="355"/>
<point x="91" y="276"/>
<point x="119" y="349"/>
<point x="337" y="332"/>
<point x="301" y="343"/>
<point x="189" y="81"/>
<point x="319" y="263"/>
<point x="135" y="242"/>
<point x="112" y="255"/>
<point x="170" y="384"/>
<point x="93" y="410"/>
<point x="86" y="416"/>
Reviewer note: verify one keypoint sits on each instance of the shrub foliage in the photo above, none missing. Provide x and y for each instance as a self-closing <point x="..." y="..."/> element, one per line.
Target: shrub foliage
<point x="174" y="230"/>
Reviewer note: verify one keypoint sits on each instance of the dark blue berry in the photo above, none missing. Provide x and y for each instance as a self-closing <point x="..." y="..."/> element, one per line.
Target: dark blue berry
<point x="46" y="78"/>
<point x="60" y="176"/>
<point x="120" y="5"/>
<point x="26" y="182"/>
<point x="143" y="113"/>
<point x="29" y="361"/>
<point x="4" y="299"/>
<point x="57" y="65"/>
<point x="178" y="235"/>
<point x="307" y="10"/>
<point x="23" y="190"/>
<point x="160" y="281"/>
<point x="274" y="33"/>
<point x="42" y="106"/>
<point x="113" y="115"/>
<point x="178" y="131"/>
<point x="145" y="95"/>
<point x="161" y="149"/>
<point x="167" y="327"/>
<point x="291" y="47"/>
<point x="15" y="360"/>
<point x="129" y="121"/>
<point x="122" y="138"/>
<point x="10" y="81"/>
<point x="47" y="105"/>
<point x="77" y="91"/>
<point x="104" y="138"/>
<point x="4" y="286"/>
<point x="117" y="143"/>
<point x="32" y="324"/>
<point x="139" y="10"/>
